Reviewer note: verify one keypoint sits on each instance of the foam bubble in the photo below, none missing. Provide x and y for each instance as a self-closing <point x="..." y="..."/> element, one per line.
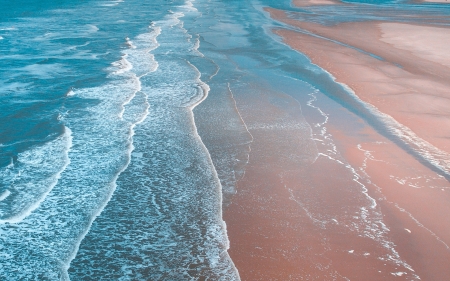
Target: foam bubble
<point x="4" y="195"/>
<point x="130" y="43"/>
<point x="92" y="28"/>
<point x="123" y="65"/>
<point x="111" y="3"/>
<point x="70" y="93"/>
<point x="400" y="273"/>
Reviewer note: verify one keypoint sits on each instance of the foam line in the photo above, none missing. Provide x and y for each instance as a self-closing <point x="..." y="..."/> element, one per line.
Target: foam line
<point x="28" y="208"/>
<point x="377" y="234"/>
<point x="4" y="195"/>
<point x="113" y="184"/>
<point x="205" y="88"/>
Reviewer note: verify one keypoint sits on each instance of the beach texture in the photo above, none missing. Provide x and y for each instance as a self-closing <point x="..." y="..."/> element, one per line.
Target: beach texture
<point x="224" y="140"/>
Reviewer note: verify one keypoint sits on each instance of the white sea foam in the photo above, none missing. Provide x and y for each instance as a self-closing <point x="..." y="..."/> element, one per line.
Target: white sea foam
<point x="34" y="175"/>
<point x="112" y="3"/>
<point x="123" y="65"/>
<point x="167" y="146"/>
<point x="70" y="93"/>
<point x="399" y="273"/>
<point x="189" y="5"/>
<point x="139" y="59"/>
<point x="101" y="148"/>
<point x="92" y="28"/>
<point x="130" y="43"/>
<point x="134" y="68"/>
<point x="218" y="256"/>
<point x="101" y="151"/>
<point x="43" y="71"/>
<point x="4" y="195"/>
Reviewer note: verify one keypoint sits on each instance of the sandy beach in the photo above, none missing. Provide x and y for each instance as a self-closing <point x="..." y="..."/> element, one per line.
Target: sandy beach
<point x="257" y="140"/>
<point x="299" y="215"/>
<point x="287" y="222"/>
<point x="413" y="199"/>
<point x="296" y="217"/>
<point x="411" y="82"/>
<point x="293" y="219"/>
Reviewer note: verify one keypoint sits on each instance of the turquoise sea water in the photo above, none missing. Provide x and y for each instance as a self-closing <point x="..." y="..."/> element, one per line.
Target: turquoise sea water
<point x="119" y="140"/>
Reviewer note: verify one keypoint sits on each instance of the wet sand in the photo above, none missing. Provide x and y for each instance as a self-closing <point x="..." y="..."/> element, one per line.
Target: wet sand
<point x="411" y="83"/>
<point x="300" y="215"/>
<point x="366" y="210"/>
<point x="414" y="200"/>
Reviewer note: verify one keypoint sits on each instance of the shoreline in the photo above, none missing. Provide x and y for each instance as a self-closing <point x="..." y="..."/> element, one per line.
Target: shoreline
<point x="404" y="188"/>
<point x="409" y="85"/>
<point x="288" y="221"/>
<point x="363" y="210"/>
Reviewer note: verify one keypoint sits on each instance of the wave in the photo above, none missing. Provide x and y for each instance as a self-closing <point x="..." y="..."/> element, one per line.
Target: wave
<point x="130" y="43"/>
<point x="70" y="93"/>
<point x="92" y="28"/>
<point x="31" y="178"/>
<point x="101" y="143"/>
<point x="169" y="197"/>
<point x="4" y="195"/>
<point x="135" y="67"/>
<point x="111" y="3"/>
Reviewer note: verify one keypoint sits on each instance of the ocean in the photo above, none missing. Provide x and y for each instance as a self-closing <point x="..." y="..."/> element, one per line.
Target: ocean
<point x="125" y="127"/>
